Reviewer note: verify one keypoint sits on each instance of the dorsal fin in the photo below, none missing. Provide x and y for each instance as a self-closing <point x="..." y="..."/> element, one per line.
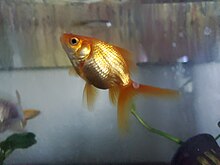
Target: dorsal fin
<point x="18" y="97"/>
<point x="72" y="72"/>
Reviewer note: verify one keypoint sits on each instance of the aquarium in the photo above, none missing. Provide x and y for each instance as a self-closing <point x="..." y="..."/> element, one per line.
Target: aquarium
<point x="174" y="45"/>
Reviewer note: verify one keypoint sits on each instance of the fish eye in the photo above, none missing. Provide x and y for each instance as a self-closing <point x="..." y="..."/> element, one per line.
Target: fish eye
<point x="74" y="41"/>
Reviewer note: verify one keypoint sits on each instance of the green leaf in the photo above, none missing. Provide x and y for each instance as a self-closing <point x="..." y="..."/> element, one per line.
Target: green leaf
<point x="16" y="141"/>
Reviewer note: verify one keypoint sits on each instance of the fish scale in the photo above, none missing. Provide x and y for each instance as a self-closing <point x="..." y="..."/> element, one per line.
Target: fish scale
<point x="110" y="64"/>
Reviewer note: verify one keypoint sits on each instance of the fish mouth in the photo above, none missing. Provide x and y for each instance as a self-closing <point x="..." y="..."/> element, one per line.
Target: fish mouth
<point x="68" y="50"/>
<point x="63" y="38"/>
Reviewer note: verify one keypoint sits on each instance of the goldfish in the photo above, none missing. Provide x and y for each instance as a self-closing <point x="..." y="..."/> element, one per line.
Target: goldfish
<point x="105" y="66"/>
<point x="12" y="117"/>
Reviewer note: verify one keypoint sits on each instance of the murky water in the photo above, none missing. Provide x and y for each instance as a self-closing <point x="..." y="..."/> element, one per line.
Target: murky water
<point x="176" y="46"/>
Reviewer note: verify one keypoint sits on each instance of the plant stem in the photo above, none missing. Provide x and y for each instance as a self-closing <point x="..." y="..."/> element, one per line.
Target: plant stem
<point x="8" y="152"/>
<point x="153" y="130"/>
<point x="2" y="157"/>
<point x="217" y="137"/>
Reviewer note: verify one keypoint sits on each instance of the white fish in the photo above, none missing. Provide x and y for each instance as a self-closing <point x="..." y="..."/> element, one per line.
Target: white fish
<point x="12" y="117"/>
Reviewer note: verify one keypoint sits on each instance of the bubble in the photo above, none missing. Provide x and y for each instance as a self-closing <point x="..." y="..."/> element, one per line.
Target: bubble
<point x="174" y="44"/>
<point x="183" y="59"/>
<point x="181" y="34"/>
<point x="108" y="24"/>
<point x="136" y="85"/>
<point x="207" y="31"/>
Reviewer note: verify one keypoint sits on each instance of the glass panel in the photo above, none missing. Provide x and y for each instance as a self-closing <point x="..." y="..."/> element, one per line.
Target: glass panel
<point x="175" y="45"/>
<point x="156" y="32"/>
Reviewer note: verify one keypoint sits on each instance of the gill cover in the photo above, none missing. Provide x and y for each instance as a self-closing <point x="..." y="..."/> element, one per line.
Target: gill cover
<point x="77" y="49"/>
<point x="84" y="51"/>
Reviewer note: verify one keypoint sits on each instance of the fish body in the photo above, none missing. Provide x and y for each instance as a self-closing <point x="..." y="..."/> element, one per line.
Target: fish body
<point x="106" y="66"/>
<point x="98" y="64"/>
<point x="103" y="69"/>
<point x="12" y="117"/>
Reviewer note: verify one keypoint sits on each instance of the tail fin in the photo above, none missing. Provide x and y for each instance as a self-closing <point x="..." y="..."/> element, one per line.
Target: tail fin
<point x="127" y="93"/>
<point x="30" y="114"/>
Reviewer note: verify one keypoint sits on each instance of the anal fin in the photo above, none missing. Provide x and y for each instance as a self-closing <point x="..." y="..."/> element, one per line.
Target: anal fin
<point x="124" y="106"/>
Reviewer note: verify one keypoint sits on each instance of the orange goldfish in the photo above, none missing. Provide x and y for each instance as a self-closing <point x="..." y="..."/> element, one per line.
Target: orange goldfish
<point x="106" y="66"/>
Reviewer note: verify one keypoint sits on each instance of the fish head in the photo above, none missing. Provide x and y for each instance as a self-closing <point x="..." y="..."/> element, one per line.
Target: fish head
<point x="77" y="47"/>
<point x="10" y="116"/>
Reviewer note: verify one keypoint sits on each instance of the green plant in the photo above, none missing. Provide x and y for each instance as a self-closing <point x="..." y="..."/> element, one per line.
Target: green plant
<point x="16" y="141"/>
<point x="154" y="130"/>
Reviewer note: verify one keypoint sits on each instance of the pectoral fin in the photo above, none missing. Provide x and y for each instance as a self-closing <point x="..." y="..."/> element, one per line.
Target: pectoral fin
<point x="89" y="95"/>
<point x="113" y="95"/>
<point x="72" y="72"/>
